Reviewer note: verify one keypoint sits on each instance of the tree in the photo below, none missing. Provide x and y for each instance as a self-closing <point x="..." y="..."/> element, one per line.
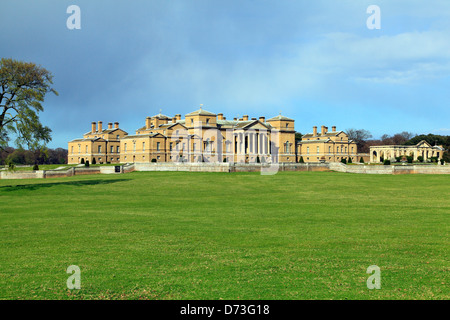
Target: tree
<point x="298" y="136"/>
<point x="23" y="86"/>
<point x="360" y="136"/>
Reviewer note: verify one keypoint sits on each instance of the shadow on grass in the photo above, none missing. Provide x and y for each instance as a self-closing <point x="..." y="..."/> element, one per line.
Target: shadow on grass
<point x="79" y="183"/>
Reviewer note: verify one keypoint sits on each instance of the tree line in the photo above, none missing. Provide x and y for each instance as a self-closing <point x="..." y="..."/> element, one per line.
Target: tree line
<point x="30" y="157"/>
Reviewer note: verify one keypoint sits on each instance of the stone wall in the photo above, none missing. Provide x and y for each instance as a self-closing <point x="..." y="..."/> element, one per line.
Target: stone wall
<point x="381" y="169"/>
<point x="227" y="167"/>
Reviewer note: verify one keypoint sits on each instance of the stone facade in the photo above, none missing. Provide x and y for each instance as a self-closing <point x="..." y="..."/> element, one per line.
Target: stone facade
<point x="100" y="144"/>
<point x="328" y="146"/>
<point x="203" y="136"/>
<point x="422" y="149"/>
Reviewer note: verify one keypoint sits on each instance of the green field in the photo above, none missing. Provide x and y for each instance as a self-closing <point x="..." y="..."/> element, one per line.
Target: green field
<point x="179" y="235"/>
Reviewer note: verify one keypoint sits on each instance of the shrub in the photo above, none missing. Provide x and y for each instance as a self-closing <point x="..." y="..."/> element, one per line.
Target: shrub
<point x="387" y="162"/>
<point x="349" y="160"/>
<point x="301" y="160"/>
<point x="153" y="160"/>
<point x="442" y="161"/>
<point x="344" y="161"/>
<point x="420" y="158"/>
<point x="82" y="160"/>
<point x="361" y="160"/>
<point x="381" y="159"/>
<point x="398" y="159"/>
<point x="86" y="164"/>
<point x="93" y="161"/>
<point x="35" y="167"/>
<point x="410" y="159"/>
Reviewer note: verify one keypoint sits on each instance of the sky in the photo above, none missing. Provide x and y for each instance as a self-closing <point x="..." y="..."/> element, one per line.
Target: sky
<point x="314" y="61"/>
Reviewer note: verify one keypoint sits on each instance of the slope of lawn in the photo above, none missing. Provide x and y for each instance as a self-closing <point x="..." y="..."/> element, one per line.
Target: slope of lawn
<point x="180" y="235"/>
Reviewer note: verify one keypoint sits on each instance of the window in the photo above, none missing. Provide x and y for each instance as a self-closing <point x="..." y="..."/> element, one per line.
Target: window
<point x="158" y="146"/>
<point x="352" y="149"/>
<point x="72" y="150"/>
<point x="143" y="146"/>
<point x="193" y="147"/>
<point x="329" y="149"/>
<point x="192" y="121"/>
<point x="99" y="149"/>
<point x="118" y="149"/>
<point x="125" y="148"/>
<point x="207" y="121"/>
<point x="318" y="149"/>
<point x="79" y="149"/>
<point x="86" y="149"/>
<point x="112" y="149"/>
<point x="117" y="137"/>
<point x="171" y="145"/>
<point x="287" y="125"/>
<point x="307" y="150"/>
<point x="134" y="146"/>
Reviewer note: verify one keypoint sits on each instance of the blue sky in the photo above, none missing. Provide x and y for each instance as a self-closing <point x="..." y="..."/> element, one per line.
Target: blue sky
<point x="315" y="61"/>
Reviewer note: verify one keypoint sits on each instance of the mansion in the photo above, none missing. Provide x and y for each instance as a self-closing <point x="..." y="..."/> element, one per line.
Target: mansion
<point x="203" y="136"/>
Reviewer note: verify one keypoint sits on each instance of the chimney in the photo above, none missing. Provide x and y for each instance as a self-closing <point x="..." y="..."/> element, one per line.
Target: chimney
<point x="245" y="117"/>
<point x="93" y="127"/>
<point x="110" y="125"/>
<point x="333" y="128"/>
<point x="178" y="116"/>
<point x="100" y="126"/>
<point x="262" y="119"/>
<point x="326" y="129"/>
<point x="156" y="122"/>
<point x="322" y="131"/>
<point x="314" y="131"/>
<point x="220" y="116"/>
<point x="253" y="118"/>
<point x="234" y="119"/>
<point x="224" y="118"/>
<point x="174" y="119"/>
<point x="116" y="125"/>
<point x="147" y="123"/>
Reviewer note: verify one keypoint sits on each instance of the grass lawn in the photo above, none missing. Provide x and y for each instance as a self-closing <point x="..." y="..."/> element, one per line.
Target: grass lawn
<point x="179" y="235"/>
